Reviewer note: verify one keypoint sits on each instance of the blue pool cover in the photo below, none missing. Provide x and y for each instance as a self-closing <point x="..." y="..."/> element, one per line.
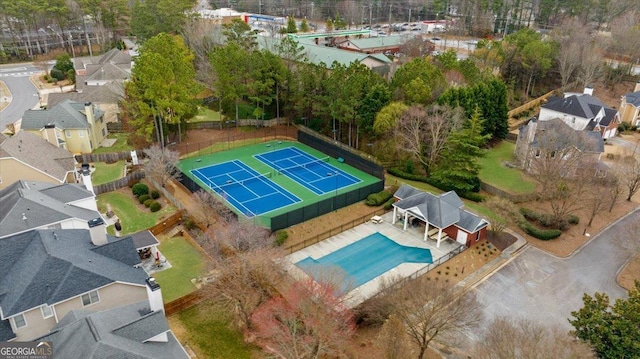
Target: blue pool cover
<point x="367" y="258"/>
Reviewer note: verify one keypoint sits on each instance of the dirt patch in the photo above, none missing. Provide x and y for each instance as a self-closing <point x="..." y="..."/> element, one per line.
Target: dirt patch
<point x="4" y="94"/>
<point x="630" y="273"/>
<point x="464" y="264"/>
<point x="363" y="346"/>
<point x="501" y="240"/>
<point x="578" y="234"/>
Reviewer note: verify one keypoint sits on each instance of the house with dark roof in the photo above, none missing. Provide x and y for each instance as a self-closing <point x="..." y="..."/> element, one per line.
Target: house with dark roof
<point x="28" y="205"/>
<point x="46" y="274"/>
<point x="630" y="106"/>
<point x="30" y="157"/>
<point x="443" y="215"/>
<point x="131" y="331"/>
<point x="554" y="138"/>
<point x="582" y="112"/>
<point x="107" y="97"/>
<point x="76" y="127"/>
<point x="86" y="66"/>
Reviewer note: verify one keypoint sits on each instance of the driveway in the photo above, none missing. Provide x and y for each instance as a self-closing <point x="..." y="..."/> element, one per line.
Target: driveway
<point x="545" y="289"/>
<point x="627" y="145"/>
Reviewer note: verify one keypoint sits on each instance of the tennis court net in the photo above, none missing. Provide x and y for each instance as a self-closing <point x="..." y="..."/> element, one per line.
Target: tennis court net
<point x="303" y="165"/>
<point x="242" y="182"/>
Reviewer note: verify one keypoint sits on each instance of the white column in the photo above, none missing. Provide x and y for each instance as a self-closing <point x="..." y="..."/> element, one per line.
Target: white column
<point x="395" y="210"/>
<point x="406" y="220"/>
<point x="439" y="237"/>
<point x="426" y="231"/>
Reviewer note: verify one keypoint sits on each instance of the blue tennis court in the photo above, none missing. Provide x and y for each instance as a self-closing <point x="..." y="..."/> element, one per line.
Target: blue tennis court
<point x="248" y="191"/>
<point x="367" y="258"/>
<point x="316" y="174"/>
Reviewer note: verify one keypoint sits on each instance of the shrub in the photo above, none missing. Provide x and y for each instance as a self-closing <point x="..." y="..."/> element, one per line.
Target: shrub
<point x="147" y="203"/>
<point x="389" y="204"/>
<point x="143" y="198"/>
<point x="542" y="234"/>
<point x="155" y="206"/>
<point x="529" y="214"/>
<point x="190" y="224"/>
<point x="155" y="194"/>
<point x="547" y="220"/>
<point x="281" y="237"/>
<point x="472" y="196"/>
<point x="376" y="199"/>
<point x="57" y="74"/>
<point x="573" y="219"/>
<point x="139" y="189"/>
<point x="468" y="195"/>
<point x="132" y="182"/>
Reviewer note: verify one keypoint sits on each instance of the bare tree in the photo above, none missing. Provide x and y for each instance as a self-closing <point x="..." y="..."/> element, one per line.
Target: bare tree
<point x="308" y="321"/>
<point x="431" y="311"/>
<point x="591" y="63"/>
<point x="571" y="37"/>
<point x="202" y="36"/>
<point x="246" y="266"/>
<point x="627" y="170"/>
<point x="393" y="339"/>
<point x="504" y="213"/>
<point x="598" y="194"/>
<point x="615" y="189"/>
<point x="211" y="208"/>
<point x="423" y="132"/>
<point x="520" y="338"/>
<point x="559" y="153"/>
<point x="626" y="35"/>
<point x="161" y="164"/>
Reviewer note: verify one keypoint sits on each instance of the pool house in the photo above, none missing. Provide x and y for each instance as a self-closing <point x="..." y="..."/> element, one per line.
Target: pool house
<point x="443" y="216"/>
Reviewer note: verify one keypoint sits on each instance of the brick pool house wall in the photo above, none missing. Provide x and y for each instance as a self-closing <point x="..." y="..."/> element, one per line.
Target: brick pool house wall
<point x="452" y="232"/>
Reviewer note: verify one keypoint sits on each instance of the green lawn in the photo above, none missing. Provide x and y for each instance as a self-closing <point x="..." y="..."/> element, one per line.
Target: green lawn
<point x="209" y="332"/>
<point x="132" y="218"/>
<point x="120" y="145"/>
<point x="206" y="115"/>
<point x="105" y="173"/>
<point x="495" y="173"/>
<point x="186" y="263"/>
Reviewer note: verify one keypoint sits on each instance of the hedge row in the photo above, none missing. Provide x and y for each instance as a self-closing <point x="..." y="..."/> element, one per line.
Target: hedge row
<point x="547" y="220"/>
<point x="472" y="196"/>
<point x="542" y="234"/>
<point x="377" y="199"/>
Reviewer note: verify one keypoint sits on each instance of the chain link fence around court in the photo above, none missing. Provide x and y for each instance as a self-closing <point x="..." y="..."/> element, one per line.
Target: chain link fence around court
<point x="336" y="149"/>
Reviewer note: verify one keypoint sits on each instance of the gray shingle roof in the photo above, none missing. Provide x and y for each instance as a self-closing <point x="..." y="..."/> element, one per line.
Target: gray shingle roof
<point x="586" y="141"/>
<point x="29" y="205"/>
<point x="115" y="333"/>
<point x="633" y="98"/>
<point x="39" y="153"/>
<point x="65" y="115"/>
<point x="106" y="72"/>
<point x="6" y="333"/>
<point x="144" y="239"/>
<point x="585" y="106"/>
<point x="441" y="211"/>
<point x="111" y="92"/>
<point x="382" y="41"/>
<point x="49" y="266"/>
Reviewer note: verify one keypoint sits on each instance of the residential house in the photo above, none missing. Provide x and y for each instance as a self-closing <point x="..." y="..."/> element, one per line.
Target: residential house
<point x="46" y="274"/>
<point x="132" y="331"/>
<point x="87" y="66"/>
<point x="107" y="97"/>
<point x="76" y="127"/>
<point x="556" y="139"/>
<point x="630" y="106"/>
<point x="29" y="205"/>
<point x="582" y="112"/>
<point x="28" y="156"/>
<point x="443" y="215"/>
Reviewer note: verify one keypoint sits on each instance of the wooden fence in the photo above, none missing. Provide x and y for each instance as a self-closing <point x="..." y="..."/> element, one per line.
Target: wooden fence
<point x="513" y="197"/>
<point x="168" y="194"/>
<point x="166" y="224"/>
<point x="529" y="105"/>
<point x="119" y="183"/>
<point x="184" y="302"/>
<point x="105" y="157"/>
<point x="333" y="231"/>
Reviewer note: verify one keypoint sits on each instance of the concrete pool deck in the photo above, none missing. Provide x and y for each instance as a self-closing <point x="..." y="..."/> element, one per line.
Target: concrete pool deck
<point x="412" y="237"/>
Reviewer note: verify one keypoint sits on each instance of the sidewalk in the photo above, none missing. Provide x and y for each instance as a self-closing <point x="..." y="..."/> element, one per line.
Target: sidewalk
<point x="5" y="96"/>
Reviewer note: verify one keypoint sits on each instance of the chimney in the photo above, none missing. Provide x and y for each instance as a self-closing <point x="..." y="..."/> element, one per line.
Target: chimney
<point x="588" y="90"/>
<point x="97" y="231"/>
<point x="50" y="134"/>
<point x="154" y="294"/>
<point x="88" y="111"/>
<point x="637" y="88"/>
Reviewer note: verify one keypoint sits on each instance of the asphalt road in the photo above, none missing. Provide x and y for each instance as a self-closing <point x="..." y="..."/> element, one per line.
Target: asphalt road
<point x="546" y="289"/>
<point x="24" y="93"/>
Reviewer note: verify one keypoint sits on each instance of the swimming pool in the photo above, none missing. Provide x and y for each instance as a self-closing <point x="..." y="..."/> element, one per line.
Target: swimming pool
<point x="367" y="258"/>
